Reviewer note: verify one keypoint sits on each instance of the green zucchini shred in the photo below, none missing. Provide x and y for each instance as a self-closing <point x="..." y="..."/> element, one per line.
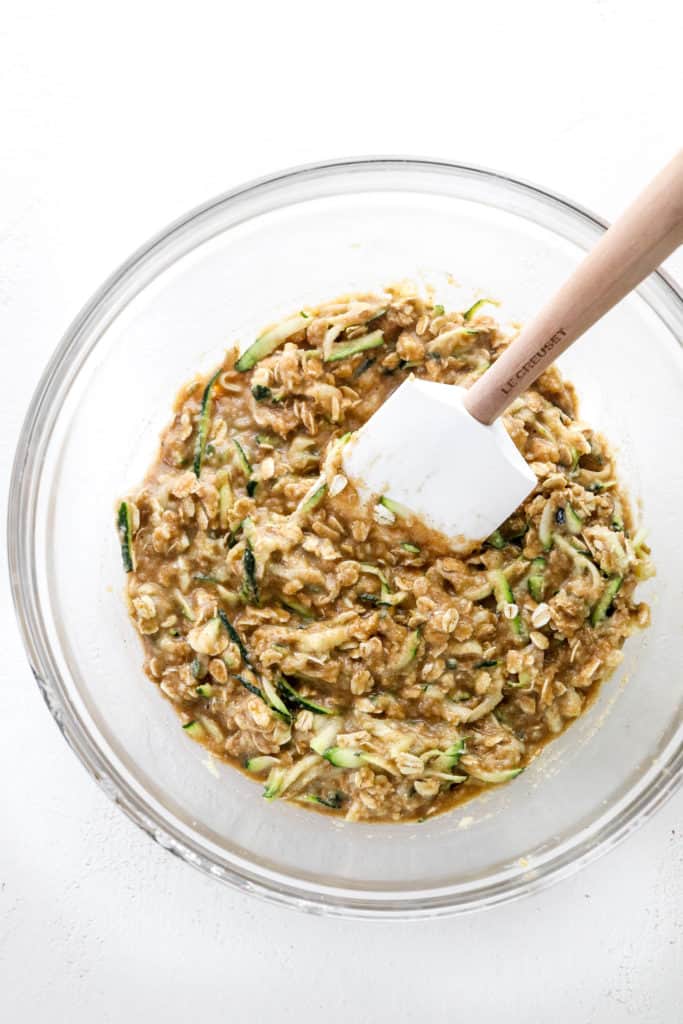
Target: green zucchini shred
<point x="124" y="521"/>
<point x="267" y="342"/>
<point x="447" y="759"/>
<point x="395" y="506"/>
<point x="326" y="735"/>
<point x="344" y="757"/>
<point x="408" y="651"/>
<point x="273" y="786"/>
<point x="504" y="595"/>
<point x="573" y="520"/>
<point x="185" y="609"/>
<point x="235" y="637"/>
<point x="198" y="668"/>
<point x="476" y="306"/>
<point x="536" y="579"/>
<point x="496" y="540"/>
<point x="250" y="588"/>
<point x="204" y="422"/>
<point x="260" y="763"/>
<point x="243" y="460"/>
<point x="603" y="605"/>
<point x="280" y="779"/>
<point x="225" y="503"/>
<point x="514" y="533"/>
<point x="267" y="695"/>
<point x="252" y="687"/>
<point x="314" y="499"/>
<point x="195" y="729"/>
<point x="413" y="549"/>
<point x="545" y="526"/>
<point x="267" y="441"/>
<point x="373" y="570"/>
<point x="274" y="700"/>
<point x="346" y="349"/>
<point x="496" y="777"/>
<point x="294" y="700"/>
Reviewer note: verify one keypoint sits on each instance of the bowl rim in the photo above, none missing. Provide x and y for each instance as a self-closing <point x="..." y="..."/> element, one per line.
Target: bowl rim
<point x="585" y="846"/>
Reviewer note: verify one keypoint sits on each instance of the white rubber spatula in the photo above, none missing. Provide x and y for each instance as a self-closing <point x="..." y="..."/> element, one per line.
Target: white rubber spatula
<point x="440" y="450"/>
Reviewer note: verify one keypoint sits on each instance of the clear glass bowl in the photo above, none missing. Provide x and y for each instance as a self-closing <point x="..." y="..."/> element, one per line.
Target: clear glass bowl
<point x="92" y="427"/>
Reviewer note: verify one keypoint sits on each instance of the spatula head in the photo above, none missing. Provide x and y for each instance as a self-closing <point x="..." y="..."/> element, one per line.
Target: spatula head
<point x="423" y="450"/>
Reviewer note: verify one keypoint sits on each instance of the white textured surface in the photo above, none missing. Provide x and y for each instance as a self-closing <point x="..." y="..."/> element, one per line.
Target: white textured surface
<point x="113" y="120"/>
<point x="462" y="477"/>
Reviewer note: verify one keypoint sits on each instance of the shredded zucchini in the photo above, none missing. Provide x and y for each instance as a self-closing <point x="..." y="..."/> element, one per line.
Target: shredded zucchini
<point x="125" y="527"/>
<point x="235" y="637"/>
<point x="182" y="603"/>
<point x="444" y="760"/>
<point x="344" y="757"/>
<point x="260" y="763"/>
<point x="545" y="527"/>
<point x="496" y="540"/>
<point x="315" y="499"/>
<point x="320" y="639"/>
<point x="412" y="549"/>
<point x="250" y="588"/>
<point x="475" y="307"/>
<point x="345" y="349"/>
<point x="573" y="520"/>
<point x="504" y="595"/>
<point x="243" y="459"/>
<point x="395" y="507"/>
<point x="280" y="779"/>
<point x="212" y="729"/>
<point x="536" y="579"/>
<point x="268" y="342"/>
<point x="261" y="393"/>
<point x="494" y="778"/>
<point x="580" y="559"/>
<point x="326" y="735"/>
<point x="274" y="700"/>
<point x="195" y="729"/>
<point x="408" y="651"/>
<point x="294" y="699"/>
<point x="204" y="423"/>
<point x="601" y="609"/>
<point x="268" y="695"/>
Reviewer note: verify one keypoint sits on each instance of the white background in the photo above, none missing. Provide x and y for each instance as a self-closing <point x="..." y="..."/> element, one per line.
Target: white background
<point x="116" y="118"/>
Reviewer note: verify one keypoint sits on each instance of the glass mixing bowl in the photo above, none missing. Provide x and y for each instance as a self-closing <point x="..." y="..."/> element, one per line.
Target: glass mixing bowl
<point x="92" y="428"/>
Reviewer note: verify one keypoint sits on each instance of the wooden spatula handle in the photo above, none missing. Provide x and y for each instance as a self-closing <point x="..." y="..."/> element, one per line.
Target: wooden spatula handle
<point x="645" y="234"/>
